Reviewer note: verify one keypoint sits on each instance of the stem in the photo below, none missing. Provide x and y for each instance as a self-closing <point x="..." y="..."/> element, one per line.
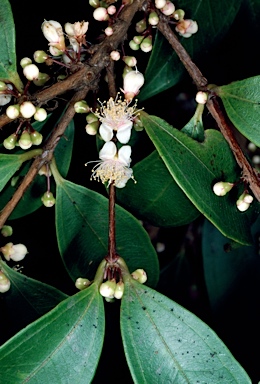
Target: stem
<point x="112" y="255"/>
<point x="225" y="126"/>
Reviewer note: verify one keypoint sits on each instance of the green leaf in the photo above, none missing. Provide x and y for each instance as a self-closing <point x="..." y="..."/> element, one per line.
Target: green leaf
<point x="196" y="167"/>
<point x="7" y="46"/>
<point x="63" y="346"/>
<point x="82" y="233"/>
<point x="241" y="100"/>
<point x="164" y="69"/>
<point x="156" y="197"/>
<point x="230" y="269"/>
<point x="31" y="200"/>
<point x="9" y="164"/>
<point x="165" y="343"/>
<point x="194" y="128"/>
<point x="27" y="298"/>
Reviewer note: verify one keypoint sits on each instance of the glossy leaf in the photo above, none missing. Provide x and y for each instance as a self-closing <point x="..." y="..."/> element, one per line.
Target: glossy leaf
<point x="196" y="167"/>
<point x="165" y="343"/>
<point x="156" y="197"/>
<point x="82" y="233"/>
<point x="9" y="164"/>
<point x="63" y="346"/>
<point x="230" y="270"/>
<point x="164" y="69"/>
<point x="241" y="100"/>
<point x="31" y="200"/>
<point x="7" y="46"/>
<point x="27" y="298"/>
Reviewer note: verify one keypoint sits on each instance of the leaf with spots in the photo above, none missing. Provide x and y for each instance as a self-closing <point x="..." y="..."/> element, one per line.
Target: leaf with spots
<point x="63" y="346"/>
<point x="165" y="343"/>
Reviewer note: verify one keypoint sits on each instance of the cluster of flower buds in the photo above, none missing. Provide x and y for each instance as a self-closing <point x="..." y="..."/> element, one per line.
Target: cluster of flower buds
<point x="15" y="252"/>
<point x="5" y="283"/>
<point x="31" y="71"/>
<point x="111" y="289"/>
<point x="221" y="188"/>
<point x="143" y="42"/>
<point x="26" y="110"/>
<point x="48" y="199"/>
<point x="25" y="140"/>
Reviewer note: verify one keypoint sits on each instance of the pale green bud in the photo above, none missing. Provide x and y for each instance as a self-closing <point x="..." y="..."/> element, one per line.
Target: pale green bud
<point x="36" y="137"/>
<point x="139" y="275"/>
<point x="133" y="45"/>
<point x="81" y="107"/>
<point x="91" y="118"/>
<point x="147" y="44"/>
<point x="130" y="61"/>
<point x="10" y="141"/>
<point x="119" y="291"/>
<point x="94" y="3"/>
<point x="3" y="86"/>
<point x="42" y="79"/>
<point x="153" y="18"/>
<point x="138" y="39"/>
<point x="25" y="61"/>
<point x="6" y="231"/>
<point x="25" y="141"/>
<point x="82" y="283"/>
<point x="141" y="26"/>
<point x="48" y="199"/>
<point x="40" y="56"/>
<point x="92" y="128"/>
<point x="107" y="289"/>
<point x="178" y="14"/>
<point x="4" y="283"/>
<point x="222" y="188"/>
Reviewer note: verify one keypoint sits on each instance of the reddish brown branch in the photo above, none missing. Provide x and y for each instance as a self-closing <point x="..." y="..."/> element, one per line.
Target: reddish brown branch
<point x="248" y="173"/>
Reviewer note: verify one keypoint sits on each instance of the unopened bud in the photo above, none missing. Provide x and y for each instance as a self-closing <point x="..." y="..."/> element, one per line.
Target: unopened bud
<point x="153" y="18"/>
<point x="4" y="283"/>
<point x="48" y="199"/>
<point x="138" y="125"/>
<point x="6" y="231"/>
<point x="139" y="275"/>
<point x="160" y="3"/>
<point x="222" y="188"/>
<point x="107" y="289"/>
<point x="92" y="128"/>
<point x="147" y="44"/>
<point x="130" y="61"/>
<point x="111" y="10"/>
<point x="133" y="81"/>
<point x="40" y="114"/>
<point x="3" y="86"/>
<point x="42" y="79"/>
<point x="44" y="170"/>
<point x="138" y="39"/>
<point x="40" y="56"/>
<point x="82" y="283"/>
<point x="201" y="97"/>
<point x="81" y="107"/>
<point x="119" y="291"/>
<point x="244" y="201"/>
<point x="13" y="111"/>
<point x="31" y="72"/>
<point x="91" y="118"/>
<point x="178" y="14"/>
<point x="141" y="26"/>
<point x="27" y="109"/>
<point x="10" y="141"/>
<point x="25" y="141"/>
<point x="115" y="55"/>
<point x="109" y="31"/>
<point x="25" y="61"/>
<point x="36" y="137"/>
<point x="100" y="14"/>
<point x="133" y="45"/>
<point x="94" y="3"/>
<point x="168" y="9"/>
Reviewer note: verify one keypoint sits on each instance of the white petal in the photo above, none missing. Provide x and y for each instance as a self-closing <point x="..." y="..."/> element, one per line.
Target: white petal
<point x="108" y="151"/>
<point x="124" y="154"/>
<point x="106" y="132"/>
<point x="123" y="135"/>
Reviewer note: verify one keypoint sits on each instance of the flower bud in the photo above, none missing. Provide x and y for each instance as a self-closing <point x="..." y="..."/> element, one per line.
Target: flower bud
<point x="126" y="71"/>
<point x="55" y="52"/>
<point x="248" y="199"/>
<point x="133" y="81"/>
<point x="40" y="114"/>
<point x="111" y="10"/>
<point x="138" y="125"/>
<point x="92" y="128"/>
<point x="138" y="39"/>
<point x="100" y="14"/>
<point x="25" y="141"/>
<point x="256" y="159"/>
<point x="81" y="107"/>
<point x="91" y="117"/>
<point x="41" y="79"/>
<point x="107" y="289"/>
<point x="168" y="9"/>
<point x="147" y="44"/>
<point x="242" y="206"/>
<point x="178" y="14"/>
<point x="44" y="170"/>
<point x="53" y="32"/>
<point x="16" y="252"/>
<point x="5" y="98"/>
<point x="153" y="18"/>
<point x="82" y="283"/>
<point x="94" y="3"/>
<point x="130" y="61"/>
<point x="25" y="61"/>
<point x="3" y="86"/>
<point x="222" y="188"/>
<point x="141" y="26"/>
<point x="160" y="3"/>
<point x="187" y="27"/>
<point x="133" y="45"/>
<point x="252" y="147"/>
<point x="10" y="141"/>
<point x="36" y="137"/>
<point x="6" y="231"/>
<point x="4" y="283"/>
<point x="27" y="109"/>
<point x="13" y="111"/>
<point x="48" y="199"/>
<point x="201" y="97"/>
<point x="119" y="291"/>
<point x="115" y="55"/>
<point x="109" y="31"/>
<point x="40" y="56"/>
<point x="139" y="275"/>
<point x="31" y="72"/>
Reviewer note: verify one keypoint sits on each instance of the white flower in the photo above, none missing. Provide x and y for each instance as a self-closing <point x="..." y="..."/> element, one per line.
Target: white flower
<point x="53" y="32"/>
<point x="133" y="81"/>
<point x="116" y="115"/>
<point x="187" y="27"/>
<point x="114" y="165"/>
<point x="76" y="33"/>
